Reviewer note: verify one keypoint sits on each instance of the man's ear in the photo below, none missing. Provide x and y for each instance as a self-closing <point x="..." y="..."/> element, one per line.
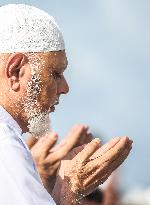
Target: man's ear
<point x="13" y="69"/>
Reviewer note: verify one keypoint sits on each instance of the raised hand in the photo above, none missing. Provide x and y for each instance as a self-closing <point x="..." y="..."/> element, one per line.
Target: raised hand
<point x="81" y="173"/>
<point x="47" y="156"/>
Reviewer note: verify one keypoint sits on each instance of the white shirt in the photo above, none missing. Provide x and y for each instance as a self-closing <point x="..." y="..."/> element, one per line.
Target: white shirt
<point x="20" y="183"/>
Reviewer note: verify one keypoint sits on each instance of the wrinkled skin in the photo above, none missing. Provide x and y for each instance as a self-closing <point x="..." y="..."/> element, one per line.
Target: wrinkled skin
<point x="84" y="174"/>
<point x="16" y="73"/>
<point x="86" y="168"/>
<point x="48" y="158"/>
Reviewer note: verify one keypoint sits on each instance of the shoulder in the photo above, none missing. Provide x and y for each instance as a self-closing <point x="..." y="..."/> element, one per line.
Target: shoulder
<point x="12" y="149"/>
<point x="3" y="129"/>
<point x="18" y="176"/>
<point x="7" y="132"/>
<point x="10" y="141"/>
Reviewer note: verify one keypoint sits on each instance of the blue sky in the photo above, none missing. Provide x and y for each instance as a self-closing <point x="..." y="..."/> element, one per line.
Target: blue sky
<point x="108" y="47"/>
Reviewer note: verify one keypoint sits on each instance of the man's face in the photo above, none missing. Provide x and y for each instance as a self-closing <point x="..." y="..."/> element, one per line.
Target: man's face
<point x="44" y="89"/>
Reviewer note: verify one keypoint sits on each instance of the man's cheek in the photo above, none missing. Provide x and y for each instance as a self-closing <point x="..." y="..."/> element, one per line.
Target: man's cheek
<point x="49" y="96"/>
<point x="52" y="89"/>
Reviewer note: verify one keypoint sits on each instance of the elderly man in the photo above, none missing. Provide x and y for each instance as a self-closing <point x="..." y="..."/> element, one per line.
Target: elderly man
<point x="32" y="61"/>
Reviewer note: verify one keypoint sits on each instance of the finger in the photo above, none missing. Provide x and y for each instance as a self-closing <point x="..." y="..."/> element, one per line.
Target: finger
<point x="109" y="168"/>
<point x="75" y="136"/>
<point x="101" y="163"/>
<point x="54" y="157"/>
<point x="115" y="151"/>
<point x="88" y="138"/>
<point x="106" y="147"/>
<point x="75" y="151"/>
<point x="45" y="143"/>
<point x="53" y="168"/>
<point x="57" y="147"/>
<point x="89" y="149"/>
<point x="113" y="147"/>
<point x="73" y="139"/>
<point x="86" y="150"/>
<point x="105" y="170"/>
<point x="117" y="162"/>
<point x="98" y="163"/>
<point x="31" y="141"/>
<point x="111" y="165"/>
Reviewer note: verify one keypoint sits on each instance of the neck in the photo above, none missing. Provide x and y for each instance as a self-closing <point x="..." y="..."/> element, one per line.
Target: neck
<point x="17" y="115"/>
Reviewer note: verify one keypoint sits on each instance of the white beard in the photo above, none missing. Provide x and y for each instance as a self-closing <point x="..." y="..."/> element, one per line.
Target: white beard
<point x="39" y="125"/>
<point x="38" y="121"/>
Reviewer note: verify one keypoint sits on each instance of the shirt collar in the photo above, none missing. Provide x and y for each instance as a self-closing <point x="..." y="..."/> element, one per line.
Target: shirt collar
<point x="6" y="117"/>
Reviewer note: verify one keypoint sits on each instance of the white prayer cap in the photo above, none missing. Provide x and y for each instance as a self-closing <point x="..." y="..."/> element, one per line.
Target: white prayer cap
<point x="24" y="28"/>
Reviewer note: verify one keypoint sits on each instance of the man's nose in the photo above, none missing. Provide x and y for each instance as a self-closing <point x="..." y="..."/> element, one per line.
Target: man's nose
<point x="63" y="87"/>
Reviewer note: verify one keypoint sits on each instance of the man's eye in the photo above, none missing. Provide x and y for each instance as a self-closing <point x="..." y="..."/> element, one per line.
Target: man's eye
<point x="57" y="75"/>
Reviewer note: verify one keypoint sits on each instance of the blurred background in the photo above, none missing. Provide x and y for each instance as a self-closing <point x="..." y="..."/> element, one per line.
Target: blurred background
<point x="108" y="47"/>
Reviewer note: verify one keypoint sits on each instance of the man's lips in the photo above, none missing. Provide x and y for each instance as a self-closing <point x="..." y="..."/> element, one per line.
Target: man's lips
<point x="52" y="108"/>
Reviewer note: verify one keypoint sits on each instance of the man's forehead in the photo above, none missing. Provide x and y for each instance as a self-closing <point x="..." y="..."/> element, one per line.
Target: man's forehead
<point x="55" y="59"/>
